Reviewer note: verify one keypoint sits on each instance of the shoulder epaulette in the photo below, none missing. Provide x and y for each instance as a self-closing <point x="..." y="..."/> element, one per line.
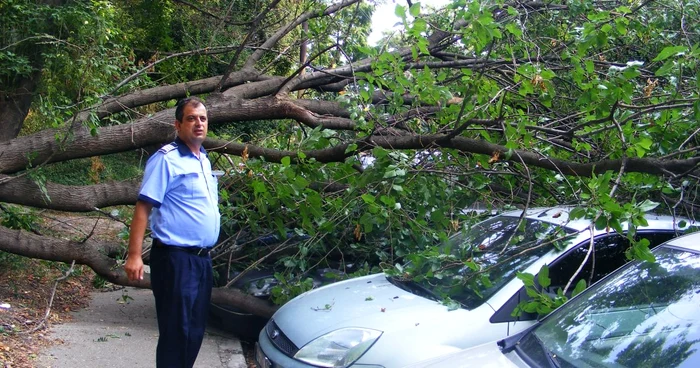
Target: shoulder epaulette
<point x="168" y="147"/>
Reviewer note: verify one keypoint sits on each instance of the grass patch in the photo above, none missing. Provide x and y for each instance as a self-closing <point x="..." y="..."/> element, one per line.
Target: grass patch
<point x="11" y="261"/>
<point x="91" y="170"/>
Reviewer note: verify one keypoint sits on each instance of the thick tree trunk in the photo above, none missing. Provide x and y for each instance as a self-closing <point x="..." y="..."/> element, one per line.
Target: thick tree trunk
<point x="94" y="254"/>
<point x="14" y="107"/>
<point x="24" y="191"/>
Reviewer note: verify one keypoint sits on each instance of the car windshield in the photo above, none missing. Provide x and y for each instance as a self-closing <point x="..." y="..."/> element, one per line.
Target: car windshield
<point x="488" y="255"/>
<point x="646" y="315"/>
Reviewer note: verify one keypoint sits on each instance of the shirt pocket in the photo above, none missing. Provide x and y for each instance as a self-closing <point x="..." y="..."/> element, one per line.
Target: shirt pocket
<point x="196" y="185"/>
<point x="213" y="182"/>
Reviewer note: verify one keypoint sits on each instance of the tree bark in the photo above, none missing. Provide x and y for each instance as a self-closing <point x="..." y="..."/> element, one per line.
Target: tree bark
<point x="94" y="253"/>
<point x="14" y="107"/>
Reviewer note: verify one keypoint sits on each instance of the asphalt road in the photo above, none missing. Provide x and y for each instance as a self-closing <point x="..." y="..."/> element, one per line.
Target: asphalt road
<point x="118" y="329"/>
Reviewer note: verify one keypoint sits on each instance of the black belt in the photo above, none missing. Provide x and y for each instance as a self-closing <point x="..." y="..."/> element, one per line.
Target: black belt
<point x="198" y="251"/>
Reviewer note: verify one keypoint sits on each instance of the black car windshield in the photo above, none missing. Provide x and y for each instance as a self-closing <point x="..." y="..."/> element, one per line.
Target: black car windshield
<point x="646" y="315"/>
<point x="488" y="255"/>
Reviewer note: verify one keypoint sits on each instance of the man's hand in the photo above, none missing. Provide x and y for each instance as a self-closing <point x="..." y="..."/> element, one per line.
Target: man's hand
<point x="134" y="267"/>
<point x="134" y="262"/>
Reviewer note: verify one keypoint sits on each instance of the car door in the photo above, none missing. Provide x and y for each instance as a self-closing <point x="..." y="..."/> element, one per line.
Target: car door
<point x="608" y="255"/>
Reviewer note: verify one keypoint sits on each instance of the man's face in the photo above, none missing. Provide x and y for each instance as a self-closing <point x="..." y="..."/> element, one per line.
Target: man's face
<point x="193" y="127"/>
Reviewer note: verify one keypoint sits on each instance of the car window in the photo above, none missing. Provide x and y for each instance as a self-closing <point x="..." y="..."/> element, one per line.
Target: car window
<point x="500" y="249"/>
<point x="646" y="315"/>
<point x="609" y="255"/>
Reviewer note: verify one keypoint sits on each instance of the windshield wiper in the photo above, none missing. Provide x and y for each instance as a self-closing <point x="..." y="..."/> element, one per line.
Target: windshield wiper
<point x="414" y="288"/>
<point x="551" y="357"/>
<point x="522" y="340"/>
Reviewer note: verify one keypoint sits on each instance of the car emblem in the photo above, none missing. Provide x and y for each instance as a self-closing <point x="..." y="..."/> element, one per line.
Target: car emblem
<point x="274" y="334"/>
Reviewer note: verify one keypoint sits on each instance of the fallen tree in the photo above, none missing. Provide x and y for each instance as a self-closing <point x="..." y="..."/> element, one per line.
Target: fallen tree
<point x="503" y="103"/>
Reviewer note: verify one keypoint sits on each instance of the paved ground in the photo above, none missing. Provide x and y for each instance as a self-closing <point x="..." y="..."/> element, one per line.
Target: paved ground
<point x="117" y="331"/>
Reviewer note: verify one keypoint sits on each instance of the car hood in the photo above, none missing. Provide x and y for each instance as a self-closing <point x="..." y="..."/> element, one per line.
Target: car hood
<point x="482" y="356"/>
<point x="369" y="301"/>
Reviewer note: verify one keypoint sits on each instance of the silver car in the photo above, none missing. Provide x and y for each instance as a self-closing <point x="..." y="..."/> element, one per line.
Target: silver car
<point x="381" y="321"/>
<point x="642" y="315"/>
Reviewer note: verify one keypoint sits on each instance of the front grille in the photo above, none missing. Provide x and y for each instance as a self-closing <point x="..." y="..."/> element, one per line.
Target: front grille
<point x="279" y="339"/>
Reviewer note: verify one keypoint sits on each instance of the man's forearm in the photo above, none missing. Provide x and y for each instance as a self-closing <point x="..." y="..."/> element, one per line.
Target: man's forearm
<point x="138" y="227"/>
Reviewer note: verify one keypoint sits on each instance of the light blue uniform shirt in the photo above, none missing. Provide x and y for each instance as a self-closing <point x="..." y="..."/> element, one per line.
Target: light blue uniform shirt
<point x="184" y="195"/>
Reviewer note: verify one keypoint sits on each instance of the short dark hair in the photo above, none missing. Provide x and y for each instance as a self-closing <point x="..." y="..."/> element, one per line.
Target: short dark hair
<point x="179" y="110"/>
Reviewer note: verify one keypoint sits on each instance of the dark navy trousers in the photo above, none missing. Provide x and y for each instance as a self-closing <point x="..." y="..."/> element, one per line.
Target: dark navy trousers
<point x="181" y="284"/>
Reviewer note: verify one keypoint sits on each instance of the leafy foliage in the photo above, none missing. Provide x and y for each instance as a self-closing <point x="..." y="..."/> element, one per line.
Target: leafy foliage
<point x="77" y="49"/>
<point x="490" y="105"/>
<point x="18" y="218"/>
<point x="542" y="302"/>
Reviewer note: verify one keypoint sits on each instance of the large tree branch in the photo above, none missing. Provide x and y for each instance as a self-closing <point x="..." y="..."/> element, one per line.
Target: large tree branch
<point x="340" y="152"/>
<point x="23" y="152"/>
<point x="94" y="253"/>
<point x="86" y="198"/>
<point x="253" y="28"/>
<point x="25" y="191"/>
<point x="275" y="38"/>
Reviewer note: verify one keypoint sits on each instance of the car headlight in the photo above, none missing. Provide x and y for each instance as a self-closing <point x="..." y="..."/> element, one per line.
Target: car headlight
<point x="339" y="348"/>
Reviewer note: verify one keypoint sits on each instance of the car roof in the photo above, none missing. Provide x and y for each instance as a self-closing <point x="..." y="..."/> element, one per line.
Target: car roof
<point x="560" y="216"/>
<point x="689" y="241"/>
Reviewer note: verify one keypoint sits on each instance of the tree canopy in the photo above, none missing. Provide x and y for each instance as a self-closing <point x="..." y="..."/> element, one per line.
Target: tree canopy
<point x="371" y="152"/>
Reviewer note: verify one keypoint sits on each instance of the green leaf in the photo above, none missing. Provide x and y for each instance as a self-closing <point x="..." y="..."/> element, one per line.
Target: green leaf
<point x="621" y="25"/>
<point x="531" y="307"/>
<point x="543" y="277"/>
<point x="365" y="95"/>
<point x="615" y="225"/>
<point x="670" y="51"/>
<point x="543" y="309"/>
<point x="665" y="69"/>
<point x="532" y="293"/>
<point x="580" y="286"/>
<point x="513" y="29"/>
<point x="527" y="278"/>
<point x="388" y="201"/>
<point x="452" y="305"/>
<point x="400" y="11"/>
<point x="258" y="187"/>
<point x="577" y="213"/>
<point x="368" y="198"/>
<point x="646" y="143"/>
<point x="641" y="251"/>
<point x="647" y="205"/>
<point x="414" y="10"/>
<point x="601" y="223"/>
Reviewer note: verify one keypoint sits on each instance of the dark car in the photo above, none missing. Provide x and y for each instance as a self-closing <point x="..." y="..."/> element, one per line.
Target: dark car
<point x="259" y="283"/>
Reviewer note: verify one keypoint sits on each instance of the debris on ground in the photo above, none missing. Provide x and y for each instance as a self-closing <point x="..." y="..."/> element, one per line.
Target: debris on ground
<point x="26" y="290"/>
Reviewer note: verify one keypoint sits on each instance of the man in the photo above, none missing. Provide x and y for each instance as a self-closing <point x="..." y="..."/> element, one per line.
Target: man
<point x="180" y="194"/>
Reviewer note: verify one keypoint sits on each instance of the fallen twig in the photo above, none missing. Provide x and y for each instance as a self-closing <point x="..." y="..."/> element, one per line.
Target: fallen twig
<point x="42" y="323"/>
